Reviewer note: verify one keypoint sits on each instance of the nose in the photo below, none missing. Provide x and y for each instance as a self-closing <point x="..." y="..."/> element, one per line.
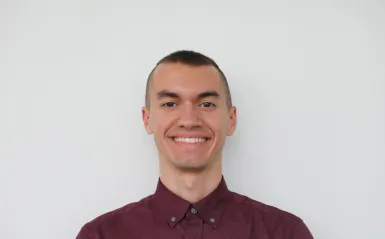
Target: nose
<point x="189" y="117"/>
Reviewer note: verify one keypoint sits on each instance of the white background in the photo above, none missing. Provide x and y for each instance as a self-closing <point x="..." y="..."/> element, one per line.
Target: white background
<point x="308" y="78"/>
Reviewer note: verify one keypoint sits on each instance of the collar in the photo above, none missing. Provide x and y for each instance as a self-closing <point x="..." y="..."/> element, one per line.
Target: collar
<point x="172" y="208"/>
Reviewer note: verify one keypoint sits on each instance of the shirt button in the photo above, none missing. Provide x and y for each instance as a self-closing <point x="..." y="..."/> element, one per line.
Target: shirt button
<point x="212" y="219"/>
<point x="173" y="219"/>
<point x="193" y="210"/>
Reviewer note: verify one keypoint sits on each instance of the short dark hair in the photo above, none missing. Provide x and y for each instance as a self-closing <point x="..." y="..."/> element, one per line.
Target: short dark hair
<point x="190" y="58"/>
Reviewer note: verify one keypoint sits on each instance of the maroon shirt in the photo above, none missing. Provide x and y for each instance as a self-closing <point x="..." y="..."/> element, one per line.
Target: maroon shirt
<point x="221" y="215"/>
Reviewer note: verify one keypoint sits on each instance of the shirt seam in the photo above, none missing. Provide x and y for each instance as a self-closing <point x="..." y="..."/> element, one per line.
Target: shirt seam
<point x="281" y="213"/>
<point x="110" y="214"/>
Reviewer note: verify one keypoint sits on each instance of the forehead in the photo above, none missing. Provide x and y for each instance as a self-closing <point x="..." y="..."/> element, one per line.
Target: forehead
<point x="185" y="79"/>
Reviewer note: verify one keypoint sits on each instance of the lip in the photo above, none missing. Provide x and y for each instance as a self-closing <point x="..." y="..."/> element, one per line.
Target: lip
<point x="190" y="146"/>
<point x="190" y="136"/>
<point x="172" y="138"/>
<point x="194" y="137"/>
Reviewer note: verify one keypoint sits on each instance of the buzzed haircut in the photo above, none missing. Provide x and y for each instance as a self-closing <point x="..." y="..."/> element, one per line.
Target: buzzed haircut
<point x="191" y="58"/>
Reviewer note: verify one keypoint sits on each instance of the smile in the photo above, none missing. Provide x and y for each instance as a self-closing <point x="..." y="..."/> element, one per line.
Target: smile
<point x="189" y="140"/>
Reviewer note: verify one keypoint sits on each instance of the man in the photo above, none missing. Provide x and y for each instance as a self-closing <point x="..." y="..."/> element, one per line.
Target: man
<point x="190" y="113"/>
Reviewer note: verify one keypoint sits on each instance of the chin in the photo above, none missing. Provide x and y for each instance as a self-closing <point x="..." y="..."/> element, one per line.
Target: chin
<point x="191" y="165"/>
<point x="191" y="168"/>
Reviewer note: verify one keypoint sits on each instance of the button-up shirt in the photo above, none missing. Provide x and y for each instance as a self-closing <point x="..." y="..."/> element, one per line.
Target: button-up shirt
<point x="220" y="215"/>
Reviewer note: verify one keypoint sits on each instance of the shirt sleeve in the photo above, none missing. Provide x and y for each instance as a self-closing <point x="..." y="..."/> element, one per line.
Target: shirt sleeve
<point x="82" y="233"/>
<point x="302" y="232"/>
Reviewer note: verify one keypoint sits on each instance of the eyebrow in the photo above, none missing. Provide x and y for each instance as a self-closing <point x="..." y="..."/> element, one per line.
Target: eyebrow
<point x="169" y="94"/>
<point x="206" y="94"/>
<point x="166" y="94"/>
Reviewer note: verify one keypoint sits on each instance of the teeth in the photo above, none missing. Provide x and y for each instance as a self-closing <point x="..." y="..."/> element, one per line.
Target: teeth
<point x="190" y="140"/>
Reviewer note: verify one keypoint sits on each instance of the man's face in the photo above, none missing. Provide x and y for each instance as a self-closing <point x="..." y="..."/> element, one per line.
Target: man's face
<point x="188" y="115"/>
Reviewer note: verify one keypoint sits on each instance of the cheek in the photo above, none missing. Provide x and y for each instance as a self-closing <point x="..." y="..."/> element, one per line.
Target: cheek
<point x="159" y="135"/>
<point x="218" y="124"/>
<point x="157" y="127"/>
<point x="159" y="124"/>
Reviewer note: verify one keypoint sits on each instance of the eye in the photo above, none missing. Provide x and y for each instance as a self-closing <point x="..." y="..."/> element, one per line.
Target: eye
<point x="169" y="105"/>
<point x="207" y="105"/>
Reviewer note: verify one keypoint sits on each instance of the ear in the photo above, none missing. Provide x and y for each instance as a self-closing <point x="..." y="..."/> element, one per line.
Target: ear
<point x="146" y="119"/>
<point x="233" y="121"/>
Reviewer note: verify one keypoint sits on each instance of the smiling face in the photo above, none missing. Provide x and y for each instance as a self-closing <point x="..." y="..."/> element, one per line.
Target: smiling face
<point x="188" y="115"/>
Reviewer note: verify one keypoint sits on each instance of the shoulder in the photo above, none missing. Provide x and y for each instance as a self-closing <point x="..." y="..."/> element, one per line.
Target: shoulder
<point x="272" y="218"/>
<point x="268" y="211"/>
<point x="114" y="218"/>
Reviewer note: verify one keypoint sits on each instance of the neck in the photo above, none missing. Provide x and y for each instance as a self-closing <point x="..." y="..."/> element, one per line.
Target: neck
<point x="191" y="186"/>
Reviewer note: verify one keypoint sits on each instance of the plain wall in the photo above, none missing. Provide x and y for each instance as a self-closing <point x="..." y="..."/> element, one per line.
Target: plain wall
<point x="308" y="78"/>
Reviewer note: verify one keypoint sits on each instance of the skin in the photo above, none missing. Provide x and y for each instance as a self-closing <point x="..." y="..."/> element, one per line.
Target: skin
<point x="189" y="101"/>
